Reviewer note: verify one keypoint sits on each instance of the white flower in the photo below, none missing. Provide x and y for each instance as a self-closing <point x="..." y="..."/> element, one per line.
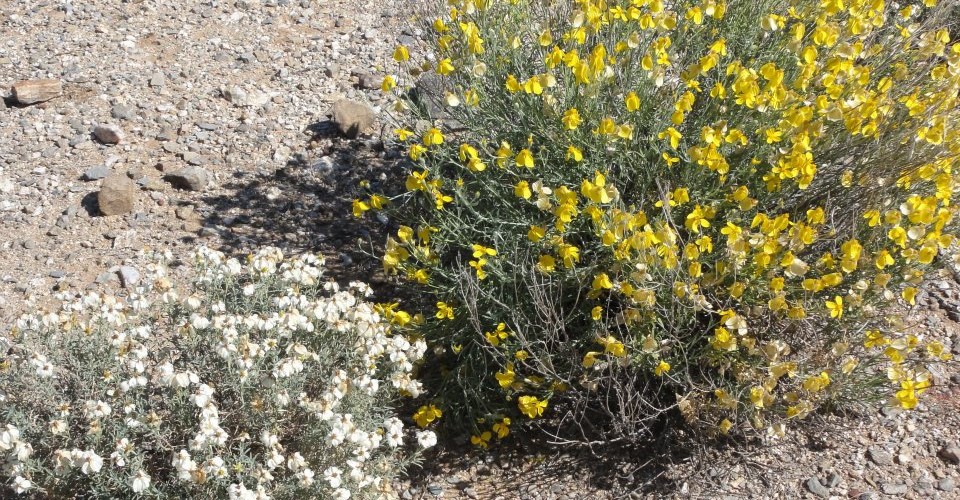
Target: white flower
<point x="23" y="451"/>
<point x="268" y="439"/>
<point x="91" y="462"/>
<point x="333" y="476"/>
<point x="275" y="460"/>
<point x="341" y="494"/>
<point x="21" y="485"/>
<point x="184" y="465"/>
<point x="305" y="477"/>
<point x="9" y="437"/>
<point x="140" y="481"/>
<point x="249" y="289"/>
<point x="426" y="439"/>
<point x="240" y="492"/>
<point x="96" y="409"/>
<point x="203" y="395"/>
<point x="296" y="462"/>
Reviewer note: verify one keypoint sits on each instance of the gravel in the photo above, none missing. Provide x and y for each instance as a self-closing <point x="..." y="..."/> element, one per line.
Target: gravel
<point x="243" y="91"/>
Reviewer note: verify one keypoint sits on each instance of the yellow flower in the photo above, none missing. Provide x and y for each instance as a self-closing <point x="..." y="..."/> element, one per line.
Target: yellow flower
<point x="574" y="153"/>
<point x="725" y="426"/>
<point x="589" y="359"/>
<point x="359" y="207"/>
<point x="909" y="294"/>
<point x="427" y="414"/>
<point x="501" y="333"/>
<point x="389" y="83"/>
<point x="433" y="137"/>
<point x="524" y="158"/>
<point x="661" y="368"/>
<point x="835" y="307"/>
<point x="506" y="377"/>
<point x="502" y="428"/>
<point x="401" y="54"/>
<point x="571" y="119"/>
<point x="612" y="346"/>
<point x="602" y="281"/>
<point x="445" y="67"/>
<point x="521" y="355"/>
<point x="481" y="251"/>
<point x="546" y="263"/>
<point x="522" y="190"/>
<point x="512" y="84"/>
<point x="632" y="102"/>
<point x="697" y="219"/>
<point x="569" y="254"/>
<point x="596" y="313"/>
<point x="536" y="233"/>
<point x="531" y="406"/>
<point x="482" y="440"/>
<point x="722" y="340"/>
<point x="444" y="311"/>
<point x="403" y="134"/>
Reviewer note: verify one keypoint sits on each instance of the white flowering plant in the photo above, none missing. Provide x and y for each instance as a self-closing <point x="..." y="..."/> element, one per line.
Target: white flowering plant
<point x="255" y="381"/>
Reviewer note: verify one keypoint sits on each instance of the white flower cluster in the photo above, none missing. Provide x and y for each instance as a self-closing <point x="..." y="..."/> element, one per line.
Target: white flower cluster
<point x="182" y="378"/>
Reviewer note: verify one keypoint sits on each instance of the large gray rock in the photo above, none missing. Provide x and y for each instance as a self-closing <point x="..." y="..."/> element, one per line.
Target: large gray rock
<point x="190" y="178"/>
<point x="352" y="118"/>
<point x="117" y="195"/>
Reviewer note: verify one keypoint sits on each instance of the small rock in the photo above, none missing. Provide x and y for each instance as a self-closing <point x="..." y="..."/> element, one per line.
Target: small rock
<point x="470" y="492"/>
<point x="185" y="213"/>
<point x="352" y="118"/>
<point x="946" y="484"/>
<point x="108" y="134"/>
<point x="813" y="484"/>
<point x="191" y="178"/>
<point x="894" y="488"/>
<point x="368" y="81"/>
<point x="833" y="479"/>
<point x="121" y="112"/>
<point x="157" y="80"/>
<point x="129" y="276"/>
<point x="950" y="453"/>
<point x="324" y="165"/>
<point x="880" y="456"/>
<point x="34" y="91"/>
<point x="435" y="489"/>
<point x="106" y="277"/>
<point x="117" y="195"/>
<point x="57" y="274"/>
<point x="192" y="158"/>
<point x="96" y="173"/>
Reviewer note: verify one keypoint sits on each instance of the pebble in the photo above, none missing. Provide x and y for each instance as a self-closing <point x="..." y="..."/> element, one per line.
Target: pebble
<point x="894" y="489"/>
<point x="96" y="173"/>
<point x="129" y="276"/>
<point x="57" y="274"/>
<point x="880" y="456"/>
<point x="946" y="484"/>
<point x="435" y="489"/>
<point x="813" y="484"/>
<point x="108" y="134"/>
<point x="192" y="178"/>
<point x="950" y="453"/>
<point x="157" y="80"/>
<point x="121" y="112"/>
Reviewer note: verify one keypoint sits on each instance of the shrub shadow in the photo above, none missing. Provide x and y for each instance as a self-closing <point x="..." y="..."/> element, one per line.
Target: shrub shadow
<point x="305" y="206"/>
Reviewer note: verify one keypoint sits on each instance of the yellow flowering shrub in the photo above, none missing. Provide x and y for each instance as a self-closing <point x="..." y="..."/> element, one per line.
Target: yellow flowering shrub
<point x="632" y="208"/>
